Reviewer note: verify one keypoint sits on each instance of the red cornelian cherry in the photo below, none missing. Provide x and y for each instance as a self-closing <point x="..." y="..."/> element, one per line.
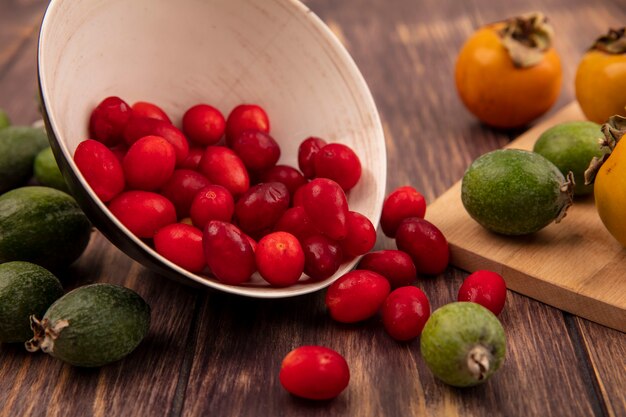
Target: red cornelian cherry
<point x="306" y="155"/>
<point x="108" y="120"/>
<point x="120" y="151"/>
<point x="258" y="150"/>
<point x="228" y="252"/>
<point x="181" y="244"/>
<point x="339" y="163"/>
<point x="138" y="127"/>
<point x="182" y="187"/>
<point x="149" y="163"/>
<point x="222" y="166"/>
<point x="213" y="202"/>
<point x="288" y="175"/>
<point x="150" y="110"/>
<point x="101" y="169"/>
<point x="405" y="312"/>
<point x="425" y="243"/>
<point x="400" y="204"/>
<point x="193" y="158"/>
<point x="143" y="212"/>
<point x="356" y="296"/>
<point x="314" y="373"/>
<point x="326" y="205"/>
<point x="322" y="257"/>
<point x="203" y="124"/>
<point x="296" y="222"/>
<point x="280" y="259"/>
<point x="395" y="265"/>
<point x="486" y="288"/>
<point x="361" y="236"/>
<point x="245" y="117"/>
<point x="259" y="208"/>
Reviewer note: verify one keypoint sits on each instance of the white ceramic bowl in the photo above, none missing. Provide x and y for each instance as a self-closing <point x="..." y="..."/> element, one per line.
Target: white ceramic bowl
<point x="275" y="53"/>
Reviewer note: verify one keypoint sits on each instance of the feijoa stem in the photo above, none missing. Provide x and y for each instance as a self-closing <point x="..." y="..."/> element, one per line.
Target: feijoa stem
<point x="567" y="188"/>
<point x="527" y="38"/>
<point x="478" y="362"/>
<point x="613" y="130"/>
<point x="613" y="42"/>
<point x="44" y="334"/>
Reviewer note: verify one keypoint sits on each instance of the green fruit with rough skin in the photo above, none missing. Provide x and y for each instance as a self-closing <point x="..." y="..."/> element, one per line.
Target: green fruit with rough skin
<point x="515" y="192"/>
<point x="571" y="146"/>
<point x="47" y="172"/>
<point x="25" y="289"/>
<point x="43" y="226"/>
<point x="18" y="147"/>
<point x="463" y="344"/>
<point x="92" y="325"/>
<point x="4" y="119"/>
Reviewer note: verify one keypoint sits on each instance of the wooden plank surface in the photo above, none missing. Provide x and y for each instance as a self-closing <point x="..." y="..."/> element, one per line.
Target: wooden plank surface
<point x="213" y="354"/>
<point x="575" y="265"/>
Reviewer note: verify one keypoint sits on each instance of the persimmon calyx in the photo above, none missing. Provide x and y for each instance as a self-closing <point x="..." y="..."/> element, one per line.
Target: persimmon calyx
<point x="613" y="130"/>
<point x="527" y="38"/>
<point x="614" y="42"/>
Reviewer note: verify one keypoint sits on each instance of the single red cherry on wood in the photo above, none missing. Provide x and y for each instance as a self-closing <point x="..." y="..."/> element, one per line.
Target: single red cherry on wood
<point x="356" y="296"/>
<point x="314" y="373"/>
<point x="395" y="265"/>
<point x="486" y="288"/>
<point x="405" y="312"/>
<point x="425" y="243"/>
<point x="400" y="204"/>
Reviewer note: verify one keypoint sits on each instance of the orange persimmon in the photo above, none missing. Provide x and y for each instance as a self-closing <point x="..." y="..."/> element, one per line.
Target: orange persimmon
<point x="507" y="73"/>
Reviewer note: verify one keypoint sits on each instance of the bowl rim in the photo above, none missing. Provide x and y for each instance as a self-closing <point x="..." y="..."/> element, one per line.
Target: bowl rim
<point x="143" y="253"/>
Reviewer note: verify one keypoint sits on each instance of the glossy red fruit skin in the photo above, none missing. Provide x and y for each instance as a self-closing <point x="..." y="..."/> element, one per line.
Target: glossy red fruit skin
<point x="405" y="312"/>
<point x="182" y="187"/>
<point x="192" y="161"/>
<point x="326" y="205"/>
<point x="143" y="212"/>
<point x="306" y="155"/>
<point x="400" y="204"/>
<point x="425" y="243"/>
<point x="486" y="288"/>
<point x="339" y="163"/>
<point x="296" y="222"/>
<point x="203" y="124"/>
<point x="279" y="259"/>
<point x="108" y="120"/>
<point x="322" y="257"/>
<point x="361" y="236"/>
<point x="181" y="244"/>
<point x="314" y="373"/>
<point x="222" y="166"/>
<point x="150" y="110"/>
<point x="120" y="151"/>
<point x="356" y="296"/>
<point x="149" y="163"/>
<point x="139" y="127"/>
<point x="213" y="202"/>
<point x="101" y="169"/>
<point x="288" y="175"/>
<point x="245" y="117"/>
<point x="258" y="150"/>
<point x="228" y="253"/>
<point x="259" y="208"/>
<point x="395" y="265"/>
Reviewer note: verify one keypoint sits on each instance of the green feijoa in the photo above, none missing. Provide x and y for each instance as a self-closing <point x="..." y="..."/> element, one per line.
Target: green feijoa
<point x="463" y="344"/>
<point x="571" y="146"/>
<point x="18" y="147"/>
<point x="92" y="325"/>
<point x="515" y="192"/>
<point x="25" y="289"/>
<point x="42" y="225"/>
<point x="4" y="119"/>
<point x="47" y="171"/>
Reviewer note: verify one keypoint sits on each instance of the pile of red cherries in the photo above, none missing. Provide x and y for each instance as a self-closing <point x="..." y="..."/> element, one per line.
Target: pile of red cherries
<point x="212" y="198"/>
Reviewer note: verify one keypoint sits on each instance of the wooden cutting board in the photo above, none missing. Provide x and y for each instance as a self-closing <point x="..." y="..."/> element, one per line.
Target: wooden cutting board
<point x="575" y="265"/>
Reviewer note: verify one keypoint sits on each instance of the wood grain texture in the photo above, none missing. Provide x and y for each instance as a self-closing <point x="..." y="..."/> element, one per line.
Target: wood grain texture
<point x="575" y="265"/>
<point x="214" y="354"/>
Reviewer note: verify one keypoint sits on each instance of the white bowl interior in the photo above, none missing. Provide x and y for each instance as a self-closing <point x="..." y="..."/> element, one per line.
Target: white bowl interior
<point x="274" y="53"/>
